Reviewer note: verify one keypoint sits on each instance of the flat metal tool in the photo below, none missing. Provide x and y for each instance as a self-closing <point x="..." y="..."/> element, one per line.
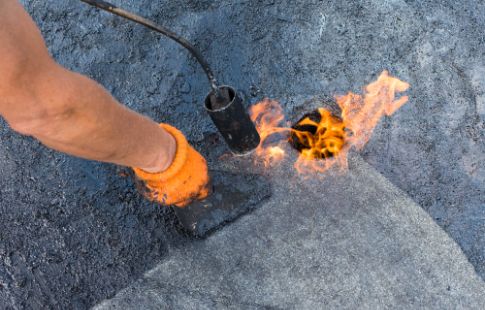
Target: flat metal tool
<point x="233" y="195"/>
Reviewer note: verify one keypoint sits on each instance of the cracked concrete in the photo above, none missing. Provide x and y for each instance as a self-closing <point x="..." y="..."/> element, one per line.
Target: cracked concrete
<point x="75" y="232"/>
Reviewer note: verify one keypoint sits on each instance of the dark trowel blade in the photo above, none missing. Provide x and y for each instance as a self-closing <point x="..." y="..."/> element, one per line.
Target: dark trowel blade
<point x="233" y="195"/>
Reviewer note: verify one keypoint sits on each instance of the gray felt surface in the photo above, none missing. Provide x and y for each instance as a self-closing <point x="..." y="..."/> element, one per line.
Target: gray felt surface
<point x="350" y="241"/>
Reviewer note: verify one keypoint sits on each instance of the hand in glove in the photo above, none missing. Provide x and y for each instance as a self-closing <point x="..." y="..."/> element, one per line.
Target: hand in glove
<point x="185" y="180"/>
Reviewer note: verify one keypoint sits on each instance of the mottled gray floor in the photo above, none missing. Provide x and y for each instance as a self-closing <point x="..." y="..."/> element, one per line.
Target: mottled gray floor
<point x="75" y="232"/>
<point x="307" y="248"/>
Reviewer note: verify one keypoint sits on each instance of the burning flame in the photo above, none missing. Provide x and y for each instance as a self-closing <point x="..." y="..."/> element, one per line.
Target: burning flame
<point x="268" y="115"/>
<point x="327" y="136"/>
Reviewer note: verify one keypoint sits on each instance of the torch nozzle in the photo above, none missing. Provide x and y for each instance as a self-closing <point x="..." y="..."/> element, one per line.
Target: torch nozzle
<point x="220" y="98"/>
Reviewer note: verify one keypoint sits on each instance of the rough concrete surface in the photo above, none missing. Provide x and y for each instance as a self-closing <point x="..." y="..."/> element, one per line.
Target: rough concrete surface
<point x="76" y="232"/>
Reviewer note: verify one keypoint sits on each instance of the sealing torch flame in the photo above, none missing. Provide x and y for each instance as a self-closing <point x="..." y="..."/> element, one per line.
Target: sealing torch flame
<point x="268" y="116"/>
<point x="322" y="138"/>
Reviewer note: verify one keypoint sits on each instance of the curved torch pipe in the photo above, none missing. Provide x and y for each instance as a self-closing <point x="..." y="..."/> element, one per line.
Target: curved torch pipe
<point x="103" y="5"/>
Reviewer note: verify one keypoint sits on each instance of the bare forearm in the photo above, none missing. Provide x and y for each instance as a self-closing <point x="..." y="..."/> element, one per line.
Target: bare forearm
<point x="93" y="125"/>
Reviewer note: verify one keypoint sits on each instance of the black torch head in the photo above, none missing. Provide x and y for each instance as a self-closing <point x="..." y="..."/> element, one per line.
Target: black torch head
<point x="232" y="120"/>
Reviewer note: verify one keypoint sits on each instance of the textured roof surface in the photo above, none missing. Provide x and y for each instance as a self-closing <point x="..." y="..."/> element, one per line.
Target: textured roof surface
<point x="342" y="242"/>
<point x="75" y="233"/>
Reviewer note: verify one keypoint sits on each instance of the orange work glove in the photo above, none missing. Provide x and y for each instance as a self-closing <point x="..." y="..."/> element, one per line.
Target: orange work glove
<point x="185" y="180"/>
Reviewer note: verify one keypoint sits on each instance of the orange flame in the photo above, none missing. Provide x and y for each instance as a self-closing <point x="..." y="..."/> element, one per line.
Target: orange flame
<point x="333" y="137"/>
<point x="268" y="115"/>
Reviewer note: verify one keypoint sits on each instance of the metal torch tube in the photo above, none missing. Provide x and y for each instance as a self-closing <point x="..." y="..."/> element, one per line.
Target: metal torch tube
<point x="233" y="122"/>
<point x="103" y="5"/>
<point x="223" y="104"/>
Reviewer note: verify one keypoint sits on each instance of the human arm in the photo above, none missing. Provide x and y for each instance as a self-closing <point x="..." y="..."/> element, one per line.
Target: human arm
<point x="67" y="111"/>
